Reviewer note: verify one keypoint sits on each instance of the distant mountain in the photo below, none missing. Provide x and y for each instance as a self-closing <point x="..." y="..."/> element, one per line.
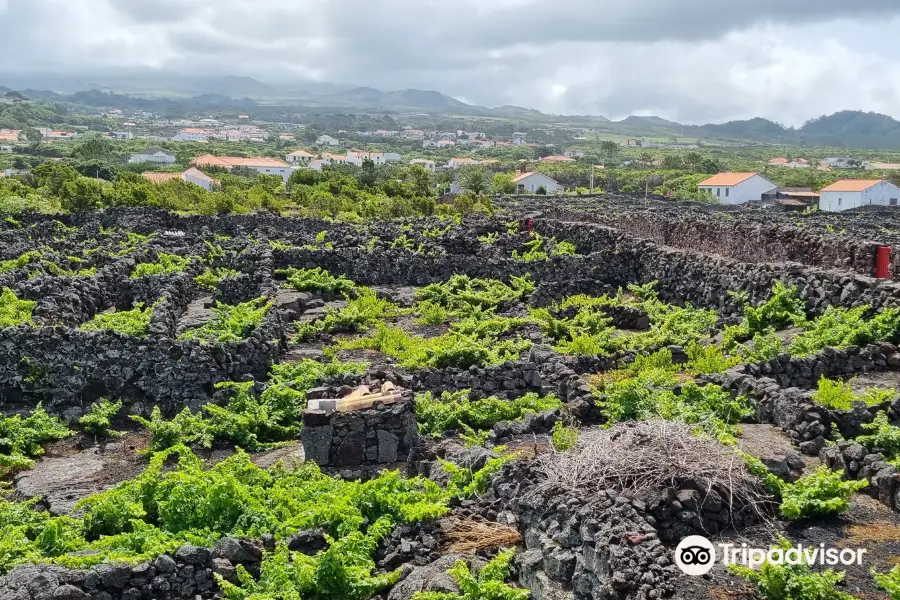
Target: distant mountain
<point x="365" y="95"/>
<point x="424" y="100"/>
<point x="238" y="87"/>
<point x="757" y="128"/>
<point x="508" y="110"/>
<point x="852" y="122"/>
<point x="634" y="120"/>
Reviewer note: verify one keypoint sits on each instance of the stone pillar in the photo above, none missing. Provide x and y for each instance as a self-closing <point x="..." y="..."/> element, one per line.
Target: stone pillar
<point x="377" y="436"/>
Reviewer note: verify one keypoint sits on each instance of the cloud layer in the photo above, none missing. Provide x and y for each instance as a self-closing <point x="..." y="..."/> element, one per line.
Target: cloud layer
<point x="692" y="61"/>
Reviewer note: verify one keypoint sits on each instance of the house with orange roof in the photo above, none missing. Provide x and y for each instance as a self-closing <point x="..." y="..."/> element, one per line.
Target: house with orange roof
<point x="263" y="165"/>
<point x="853" y="193"/>
<point x="778" y="161"/>
<point x="9" y="135"/>
<point x="737" y="188"/>
<point x="457" y="162"/>
<point x="192" y="175"/>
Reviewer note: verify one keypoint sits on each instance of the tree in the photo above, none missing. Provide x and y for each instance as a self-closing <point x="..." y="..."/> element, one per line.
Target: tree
<point x="541" y="191"/>
<point x="419" y="180"/>
<point x="15" y="97"/>
<point x="367" y="176"/>
<point x="474" y="179"/>
<point x="609" y="150"/>
<point x="81" y="194"/>
<point x="304" y="177"/>
<point x="503" y="183"/>
<point x="645" y="159"/>
<point x="97" y="168"/>
<point x="93" y="148"/>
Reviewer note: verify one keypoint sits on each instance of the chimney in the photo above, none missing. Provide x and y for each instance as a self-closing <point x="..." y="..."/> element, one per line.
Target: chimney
<point x="518" y="172"/>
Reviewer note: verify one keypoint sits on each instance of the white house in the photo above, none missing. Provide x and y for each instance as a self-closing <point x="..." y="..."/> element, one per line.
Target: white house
<point x="198" y="177"/>
<point x="192" y="134"/>
<point x="261" y="164"/>
<point x="299" y="157"/>
<point x="840" y="162"/>
<point x="532" y="181"/>
<point x="327" y="140"/>
<point x="5" y="149"/>
<point x="737" y="188"/>
<point x="413" y="134"/>
<point x="574" y="153"/>
<point x="428" y="165"/>
<point x="456" y="162"/>
<point x="152" y="155"/>
<point x="192" y="175"/>
<point x="851" y="193"/>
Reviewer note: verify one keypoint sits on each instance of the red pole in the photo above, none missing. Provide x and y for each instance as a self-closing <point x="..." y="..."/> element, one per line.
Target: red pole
<point x="883" y="263"/>
<point x="529" y="222"/>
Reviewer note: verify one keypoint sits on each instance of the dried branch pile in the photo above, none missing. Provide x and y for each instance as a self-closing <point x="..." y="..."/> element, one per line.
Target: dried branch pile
<point x="651" y="455"/>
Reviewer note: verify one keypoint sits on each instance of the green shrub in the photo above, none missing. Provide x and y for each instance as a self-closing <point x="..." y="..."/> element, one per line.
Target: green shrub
<point x="21" y="262"/>
<point x="704" y="360"/>
<point x="448" y="350"/>
<point x="345" y="570"/>
<point x="462" y="291"/>
<point x="842" y="327"/>
<point x="318" y="280"/>
<point x="834" y="394"/>
<point x="98" y="421"/>
<point x="14" y="311"/>
<point x="540" y="248"/>
<point x="454" y="410"/>
<point x="209" y="280"/>
<point x="431" y="313"/>
<point x="165" y="264"/>
<point x="253" y="422"/>
<point x="488" y="584"/>
<point x="465" y="483"/>
<point x="783" y="308"/>
<point x="21" y="438"/>
<point x="186" y="428"/>
<point x="882" y="437"/>
<point x="563" y="437"/>
<point x="889" y="582"/>
<point x="134" y="322"/>
<point x="839" y="395"/>
<point x="822" y="492"/>
<point x="793" y="582"/>
<point x="361" y="312"/>
<point x="763" y="347"/>
<point x="231" y="323"/>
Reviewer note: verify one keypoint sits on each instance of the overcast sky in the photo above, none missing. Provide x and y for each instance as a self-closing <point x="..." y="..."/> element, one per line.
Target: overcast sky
<point x="693" y="61"/>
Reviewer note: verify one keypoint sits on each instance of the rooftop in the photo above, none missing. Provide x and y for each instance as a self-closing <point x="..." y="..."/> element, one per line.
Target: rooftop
<point x="851" y="185"/>
<point x="160" y="177"/>
<point x="727" y="179"/>
<point x="238" y="161"/>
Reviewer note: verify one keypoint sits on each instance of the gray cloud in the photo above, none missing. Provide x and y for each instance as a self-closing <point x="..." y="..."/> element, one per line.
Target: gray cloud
<point x="694" y="60"/>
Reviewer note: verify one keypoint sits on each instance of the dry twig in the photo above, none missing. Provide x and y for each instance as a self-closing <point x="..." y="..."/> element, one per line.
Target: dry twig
<point x="468" y="536"/>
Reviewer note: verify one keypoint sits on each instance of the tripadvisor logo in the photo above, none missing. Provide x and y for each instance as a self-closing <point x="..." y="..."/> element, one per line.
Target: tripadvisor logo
<point x="696" y="555"/>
